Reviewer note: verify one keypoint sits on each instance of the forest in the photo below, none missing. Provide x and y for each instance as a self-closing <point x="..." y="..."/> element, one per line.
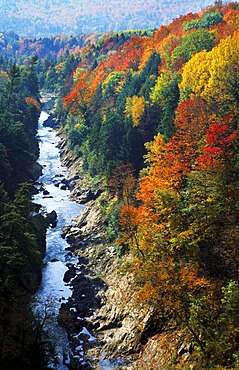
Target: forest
<point x="154" y="115"/>
<point x="43" y="18"/>
<point x="21" y="229"/>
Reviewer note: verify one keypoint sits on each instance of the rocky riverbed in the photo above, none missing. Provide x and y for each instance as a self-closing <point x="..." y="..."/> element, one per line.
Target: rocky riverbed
<point x="89" y="315"/>
<point x="108" y="328"/>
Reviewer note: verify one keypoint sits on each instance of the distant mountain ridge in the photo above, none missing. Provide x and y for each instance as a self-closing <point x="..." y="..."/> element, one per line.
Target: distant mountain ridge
<point x="51" y="17"/>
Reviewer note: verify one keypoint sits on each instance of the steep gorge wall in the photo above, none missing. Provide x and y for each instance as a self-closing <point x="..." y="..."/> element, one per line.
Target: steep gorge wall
<point x="125" y="332"/>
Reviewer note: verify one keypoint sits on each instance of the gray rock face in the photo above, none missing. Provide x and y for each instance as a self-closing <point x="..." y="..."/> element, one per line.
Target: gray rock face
<point x="104" y="317"/>
<point x="102" y="298"/>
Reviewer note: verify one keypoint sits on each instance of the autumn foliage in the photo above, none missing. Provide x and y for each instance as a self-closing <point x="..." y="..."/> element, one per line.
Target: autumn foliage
<point x="162" y="108"/>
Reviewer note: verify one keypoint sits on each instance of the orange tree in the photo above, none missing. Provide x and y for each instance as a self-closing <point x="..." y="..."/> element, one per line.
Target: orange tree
<point x="184" y="234"/>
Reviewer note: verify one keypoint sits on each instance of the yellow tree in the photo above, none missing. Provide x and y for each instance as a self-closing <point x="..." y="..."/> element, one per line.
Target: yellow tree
<point x="214" y="76"/>
<point x="135" y="107"/>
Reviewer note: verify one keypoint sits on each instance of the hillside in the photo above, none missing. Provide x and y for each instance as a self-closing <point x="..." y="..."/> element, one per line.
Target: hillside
<point x="47" y="18"/>
<point x="156" y="118"/>
<point x="149" y="125"/>
<point x="22" y="231"/>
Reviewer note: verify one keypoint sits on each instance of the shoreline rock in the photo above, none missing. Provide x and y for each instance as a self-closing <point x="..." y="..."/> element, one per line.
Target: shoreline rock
<point x="89" y="307"/>
<point x="107" y="326"/>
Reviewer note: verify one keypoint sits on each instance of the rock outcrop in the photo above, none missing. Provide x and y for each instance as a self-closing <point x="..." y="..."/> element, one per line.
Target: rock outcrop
<point x="104" y="318"/>
<point x="98" y="305"/>
<point x="51" y="219"/>
<point x="50" y="121"/>
<point x="107" y="325"/>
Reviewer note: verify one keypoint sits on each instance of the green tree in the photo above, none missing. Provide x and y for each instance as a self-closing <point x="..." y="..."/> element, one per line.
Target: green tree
<point x="12" y="87"/>
<point x="165" y="93"/>
<point x="192" y="44"/>
<point x="209" y="20"/>
<point x="109" y="149"/>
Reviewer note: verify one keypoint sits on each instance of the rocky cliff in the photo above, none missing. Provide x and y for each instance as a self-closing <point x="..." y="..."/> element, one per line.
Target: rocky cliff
<point x="108" y="327"/>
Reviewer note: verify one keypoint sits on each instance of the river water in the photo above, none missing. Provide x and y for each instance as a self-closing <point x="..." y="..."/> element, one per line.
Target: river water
<point x="53" y="290"/>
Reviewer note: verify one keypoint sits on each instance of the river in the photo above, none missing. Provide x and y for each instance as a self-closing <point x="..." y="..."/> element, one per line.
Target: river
<point x="53" y="291"/>
<point x="51" y="196"/>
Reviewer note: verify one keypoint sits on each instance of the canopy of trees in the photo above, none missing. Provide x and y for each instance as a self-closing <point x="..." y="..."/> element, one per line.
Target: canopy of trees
<point x="155" y="114"/>
<point x="20" y="252"/>
<point x="41" y="18"/>
<point x="164" y="106"/>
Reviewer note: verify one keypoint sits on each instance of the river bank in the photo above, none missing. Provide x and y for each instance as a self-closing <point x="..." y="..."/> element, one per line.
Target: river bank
<point x="108" y="328"/>
<point x="53" y="203"/>
<point x="95" y="311"/>
<point x="104" y="319"/>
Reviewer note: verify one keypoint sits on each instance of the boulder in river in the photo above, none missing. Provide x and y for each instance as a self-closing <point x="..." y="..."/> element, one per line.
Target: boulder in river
<point x="50" y="122"/>
<point x="51" y="219"/>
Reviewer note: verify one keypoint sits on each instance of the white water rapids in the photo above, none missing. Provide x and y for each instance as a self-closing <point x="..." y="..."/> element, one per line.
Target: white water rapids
<point x="53" y="290"/>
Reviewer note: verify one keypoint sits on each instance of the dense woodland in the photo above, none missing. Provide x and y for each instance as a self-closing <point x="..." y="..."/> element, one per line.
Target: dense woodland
<point x="17" y="48"/>
<point x="155" y="115"/>
<point x="42" y="18"/>
<point x="20" y="230"/>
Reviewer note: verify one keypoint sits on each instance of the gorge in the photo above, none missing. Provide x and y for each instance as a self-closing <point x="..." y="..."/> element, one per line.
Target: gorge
<point x="138" y="192"/>
<point x="53" y="196"/>
<point x="71" y="299"/>
<point x="68" y="290"/>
